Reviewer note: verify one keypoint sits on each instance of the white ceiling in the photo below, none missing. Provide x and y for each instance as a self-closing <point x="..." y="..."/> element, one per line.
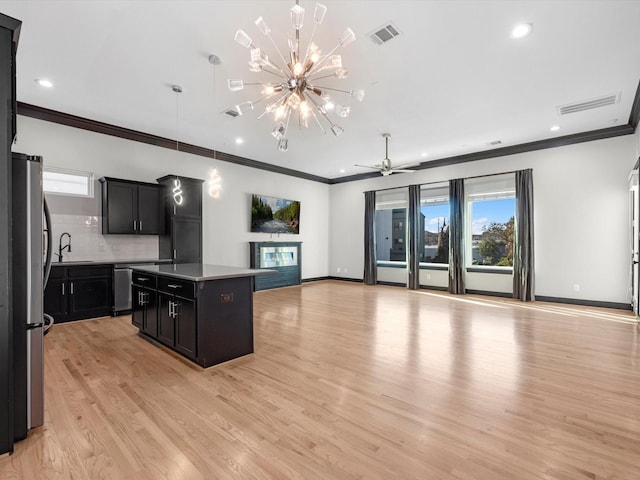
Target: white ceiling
<point x="453" y="80"/>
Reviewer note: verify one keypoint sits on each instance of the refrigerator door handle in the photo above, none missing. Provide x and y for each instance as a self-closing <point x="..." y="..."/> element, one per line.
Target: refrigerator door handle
<point x="31" y="326"/>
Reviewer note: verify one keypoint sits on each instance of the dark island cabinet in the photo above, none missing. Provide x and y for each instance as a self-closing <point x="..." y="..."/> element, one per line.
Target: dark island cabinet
<point x="182" y="241"/>
<point x="130" y="207"/>
<point x="205" y="313"/>
<point x="79" y="292"/>
<point x="144" y="303"/>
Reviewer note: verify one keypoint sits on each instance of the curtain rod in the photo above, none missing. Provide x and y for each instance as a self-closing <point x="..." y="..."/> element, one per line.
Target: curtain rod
<point x="446" y="181"/>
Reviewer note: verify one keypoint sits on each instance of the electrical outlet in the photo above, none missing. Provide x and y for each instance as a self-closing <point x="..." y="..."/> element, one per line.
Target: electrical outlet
<point x="338" y="269"/>
<point x="576" y="287"/>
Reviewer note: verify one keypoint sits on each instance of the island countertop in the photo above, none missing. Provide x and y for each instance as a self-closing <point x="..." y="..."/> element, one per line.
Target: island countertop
<point x="199" y="272"/>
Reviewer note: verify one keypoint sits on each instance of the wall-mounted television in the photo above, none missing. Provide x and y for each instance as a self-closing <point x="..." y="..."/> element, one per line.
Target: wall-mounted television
<point x="274" y="215"/>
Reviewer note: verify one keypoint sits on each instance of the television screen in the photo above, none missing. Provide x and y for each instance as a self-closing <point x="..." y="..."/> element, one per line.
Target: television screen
<point x="274" y="215"/>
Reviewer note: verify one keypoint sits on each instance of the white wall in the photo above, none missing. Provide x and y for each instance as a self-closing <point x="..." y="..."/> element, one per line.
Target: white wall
<point x="225" y="220"/>
<point x="581" y="217"/>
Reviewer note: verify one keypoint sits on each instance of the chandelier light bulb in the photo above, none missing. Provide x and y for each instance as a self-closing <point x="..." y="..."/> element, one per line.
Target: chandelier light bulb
<point x="262" y="26"/>
<point x="242" y="38"/>
<point x="337" y="130"/>
<point x="319" y="13"/>
<point x="347" y="37"/>
<point x="298" y="69"/>
<point x="267" y="90"/>
<point x="341" y="73"/>
<point x="358" y="94"/>
<point x="279" y="113"/>
<point x="235" y="85"/>
<point x="343" y="111"/>
<point x="297" y="16"/>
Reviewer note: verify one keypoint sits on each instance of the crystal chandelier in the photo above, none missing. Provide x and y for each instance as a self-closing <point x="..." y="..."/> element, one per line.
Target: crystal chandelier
<point x="295" y="92"/>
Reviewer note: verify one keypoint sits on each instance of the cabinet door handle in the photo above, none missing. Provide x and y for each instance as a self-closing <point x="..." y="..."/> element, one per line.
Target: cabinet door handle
<point x="176" y="311"/>
<point x="142" y="279"/>
<point x="134" y="225"/>
<point x="171" y="285"/>
<point x="140" y="223"/>
<point x="140" y="299"/>
<point x="174" y="253"/>
<point x="71" y="288"/>
<point x="63" y="289"/>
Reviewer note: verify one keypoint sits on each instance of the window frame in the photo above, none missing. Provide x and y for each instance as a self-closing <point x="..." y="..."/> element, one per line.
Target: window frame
<point x="88" y="176"/>
<point x="392" y="199"/>
<point x="500" y="186"/>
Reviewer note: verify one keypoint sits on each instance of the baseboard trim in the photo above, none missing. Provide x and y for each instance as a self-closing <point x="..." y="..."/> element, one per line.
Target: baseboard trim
<point x="586" y="303"/>
<point x="434" y="287"/>
<point x="315" y="279"/>
<point x="490" y="294"/>
<point x="391" y="284"/>
<point x="345" y="279"/>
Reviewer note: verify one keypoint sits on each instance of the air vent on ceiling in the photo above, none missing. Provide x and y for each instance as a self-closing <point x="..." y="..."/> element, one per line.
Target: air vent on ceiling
<point x="589" y="104"/>
<point x="495" y="143"/>
<point x="384" y="34"/>
<point x="231" y="112"/>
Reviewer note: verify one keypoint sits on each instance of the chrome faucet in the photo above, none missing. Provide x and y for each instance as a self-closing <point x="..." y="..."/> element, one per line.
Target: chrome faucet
<point x="61" y="248"/>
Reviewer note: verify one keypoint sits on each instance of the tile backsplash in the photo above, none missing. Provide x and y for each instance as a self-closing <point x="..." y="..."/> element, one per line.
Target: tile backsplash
<point x="88" y="243"/>
<point x="82" y="219"/>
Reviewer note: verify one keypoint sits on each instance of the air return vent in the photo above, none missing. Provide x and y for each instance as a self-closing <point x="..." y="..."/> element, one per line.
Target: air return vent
<point x="231" y="112"/>
<point x="384" y="34"/>
<point x="495" y="143"/>
<point x="589" y="104"/>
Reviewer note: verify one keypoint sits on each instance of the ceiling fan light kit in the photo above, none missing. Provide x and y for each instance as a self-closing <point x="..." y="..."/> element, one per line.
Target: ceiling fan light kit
<point x="296" y="93"/>
<point x="385" y="167"/>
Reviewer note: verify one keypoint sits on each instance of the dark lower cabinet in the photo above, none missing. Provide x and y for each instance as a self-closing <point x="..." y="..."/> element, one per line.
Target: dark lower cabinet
<point x="185" y="317"/>
<point x="166" y="323"/>
<point x="79" y="292"/>
<point x="177" y="323"/>
<point x="144" y="310"/>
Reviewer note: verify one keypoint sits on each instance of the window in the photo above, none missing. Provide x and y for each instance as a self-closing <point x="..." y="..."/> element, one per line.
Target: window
<point x="391" y="227"/>
<point x="490" y="221"/>
<point x="434" y="206"/>
<point x="67" y="182"/>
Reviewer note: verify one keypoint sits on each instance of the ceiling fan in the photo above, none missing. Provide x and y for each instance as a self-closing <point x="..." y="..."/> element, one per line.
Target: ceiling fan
<point x="385" y="167"/>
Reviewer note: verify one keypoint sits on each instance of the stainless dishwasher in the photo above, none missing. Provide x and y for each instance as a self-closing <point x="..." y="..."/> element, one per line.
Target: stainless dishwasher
<point x="122" y="288"/>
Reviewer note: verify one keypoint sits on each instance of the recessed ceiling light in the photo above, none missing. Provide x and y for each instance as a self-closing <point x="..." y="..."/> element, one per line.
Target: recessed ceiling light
<point x="521" y="30"/>
<point x="342" y="170"/>
<point x="43" y="82"/>
<point x="555" y="128"/>
<point x="424" y="154"/>
<point x="239" y="141"/>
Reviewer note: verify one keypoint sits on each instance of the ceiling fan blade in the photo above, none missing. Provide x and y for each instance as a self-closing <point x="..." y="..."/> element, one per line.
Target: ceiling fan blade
<point x="400" y="170"/>
<point x="406" y="165"/>
<point x="375" y="167"/>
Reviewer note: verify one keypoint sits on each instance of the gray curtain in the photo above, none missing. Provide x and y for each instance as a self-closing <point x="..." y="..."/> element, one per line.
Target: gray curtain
<point x="456" y="235"/>
<point x="523" y="260"/>
<point x="370" y="261"/>
<point x="414" y="237"/>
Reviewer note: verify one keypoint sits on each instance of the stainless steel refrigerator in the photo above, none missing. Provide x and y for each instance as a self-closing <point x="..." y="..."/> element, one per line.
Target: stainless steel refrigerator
<point x="30" y="262"/>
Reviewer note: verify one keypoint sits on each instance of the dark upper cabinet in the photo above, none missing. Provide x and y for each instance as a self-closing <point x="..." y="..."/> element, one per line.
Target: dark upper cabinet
<point x="183" y="239"/>
<point x="132" y="207"/>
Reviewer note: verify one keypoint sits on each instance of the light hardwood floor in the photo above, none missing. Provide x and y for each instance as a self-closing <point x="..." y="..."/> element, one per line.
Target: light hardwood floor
<point x="347" y="382"/>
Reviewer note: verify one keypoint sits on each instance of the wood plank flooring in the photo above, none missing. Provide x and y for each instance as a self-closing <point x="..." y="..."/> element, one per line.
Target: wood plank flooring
<point x="350" y="382"/>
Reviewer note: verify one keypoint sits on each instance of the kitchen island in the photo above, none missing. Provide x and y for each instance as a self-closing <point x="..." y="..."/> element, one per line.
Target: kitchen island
<point x="204" y="312"/>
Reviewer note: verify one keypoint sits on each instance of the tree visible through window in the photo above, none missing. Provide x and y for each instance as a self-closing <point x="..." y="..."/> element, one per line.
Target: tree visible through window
<point x="492" y="224"/>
